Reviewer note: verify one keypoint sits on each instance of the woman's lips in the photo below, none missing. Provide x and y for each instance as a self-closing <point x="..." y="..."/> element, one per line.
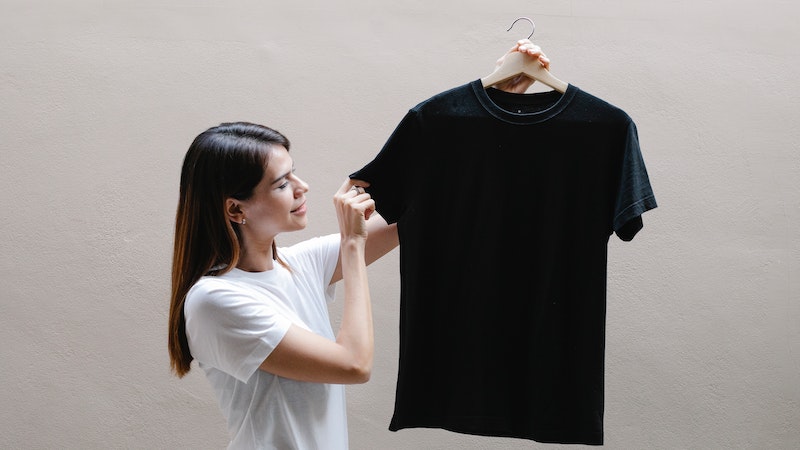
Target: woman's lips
<point x="300" y="209"/>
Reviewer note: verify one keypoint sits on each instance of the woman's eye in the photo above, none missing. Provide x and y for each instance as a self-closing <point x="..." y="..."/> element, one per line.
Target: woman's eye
<point x="284" y="185"/>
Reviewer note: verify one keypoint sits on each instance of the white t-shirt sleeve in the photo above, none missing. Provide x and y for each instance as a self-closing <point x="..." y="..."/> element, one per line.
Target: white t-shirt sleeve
<point x="230" y="328"/>
<point x="316" y="257"/>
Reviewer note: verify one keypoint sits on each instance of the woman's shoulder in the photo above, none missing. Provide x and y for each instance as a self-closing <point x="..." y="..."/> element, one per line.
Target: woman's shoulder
<point x="318" y="245"/>
<point x="209" y="287"/>
<point x="315" y="257"/>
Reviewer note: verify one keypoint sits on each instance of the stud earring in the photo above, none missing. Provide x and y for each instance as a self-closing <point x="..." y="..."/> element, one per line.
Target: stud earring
<point x="244" y="221"/>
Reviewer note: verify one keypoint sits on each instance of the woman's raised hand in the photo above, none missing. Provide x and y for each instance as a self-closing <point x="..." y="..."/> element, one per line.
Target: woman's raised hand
<point x="353" y="207"/>
<point x="520" y="83"/>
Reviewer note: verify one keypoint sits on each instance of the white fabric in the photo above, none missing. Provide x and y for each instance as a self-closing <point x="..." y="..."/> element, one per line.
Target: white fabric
<point x="235" y="320"/>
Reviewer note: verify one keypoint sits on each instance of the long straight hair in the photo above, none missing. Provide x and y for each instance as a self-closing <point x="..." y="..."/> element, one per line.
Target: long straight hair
<point x="227" y="160"/>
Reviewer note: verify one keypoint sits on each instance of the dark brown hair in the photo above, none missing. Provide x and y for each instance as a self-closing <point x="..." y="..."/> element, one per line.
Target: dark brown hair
<point x="224" y="161"/>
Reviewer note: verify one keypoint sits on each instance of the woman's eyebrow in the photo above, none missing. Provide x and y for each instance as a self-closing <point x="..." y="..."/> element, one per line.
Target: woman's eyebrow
<point x="278" y="180"/>
<point x="281" y="177"/>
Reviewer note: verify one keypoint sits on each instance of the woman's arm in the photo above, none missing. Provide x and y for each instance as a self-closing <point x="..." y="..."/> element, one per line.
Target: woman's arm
<point x="381" y="239"/>
<point x="306" y="356"/>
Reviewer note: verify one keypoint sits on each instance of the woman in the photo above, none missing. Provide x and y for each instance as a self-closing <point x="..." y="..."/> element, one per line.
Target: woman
<point x="254" y="315"/>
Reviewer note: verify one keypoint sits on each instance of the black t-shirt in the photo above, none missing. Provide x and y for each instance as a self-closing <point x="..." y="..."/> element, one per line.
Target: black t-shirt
<point x="505" y="204"/>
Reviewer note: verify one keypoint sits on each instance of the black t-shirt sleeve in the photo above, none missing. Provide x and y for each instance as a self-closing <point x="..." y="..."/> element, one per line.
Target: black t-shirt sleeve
<point x="634" y="194"/>
<point x="388" y="173"/>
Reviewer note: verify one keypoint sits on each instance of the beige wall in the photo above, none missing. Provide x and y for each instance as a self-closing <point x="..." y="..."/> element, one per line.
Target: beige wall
<point x="101" y="99"/>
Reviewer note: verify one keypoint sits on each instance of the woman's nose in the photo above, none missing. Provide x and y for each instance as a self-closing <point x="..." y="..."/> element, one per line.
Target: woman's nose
<point x="301" y="185"/>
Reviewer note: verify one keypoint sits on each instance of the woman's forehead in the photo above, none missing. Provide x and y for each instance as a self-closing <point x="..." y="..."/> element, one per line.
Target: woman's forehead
<point x="279" y="162"/>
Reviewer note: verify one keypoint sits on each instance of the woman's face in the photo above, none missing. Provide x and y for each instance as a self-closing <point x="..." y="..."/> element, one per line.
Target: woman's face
<point x="278" y="202"/>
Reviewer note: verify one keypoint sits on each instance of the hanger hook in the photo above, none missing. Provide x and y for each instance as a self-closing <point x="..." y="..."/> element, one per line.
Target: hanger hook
<point x="533" y="25"/>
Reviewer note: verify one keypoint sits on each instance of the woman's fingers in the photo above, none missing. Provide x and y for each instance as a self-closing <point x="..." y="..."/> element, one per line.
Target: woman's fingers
<point x="526" y="46"/>
<point x="352" y="193"/>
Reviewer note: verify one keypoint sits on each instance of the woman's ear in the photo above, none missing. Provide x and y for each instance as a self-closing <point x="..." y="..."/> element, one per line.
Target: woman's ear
<point x="233" y="210"/>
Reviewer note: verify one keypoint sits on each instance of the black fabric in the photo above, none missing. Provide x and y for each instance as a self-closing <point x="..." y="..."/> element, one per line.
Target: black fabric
<point x="504" y="204"/>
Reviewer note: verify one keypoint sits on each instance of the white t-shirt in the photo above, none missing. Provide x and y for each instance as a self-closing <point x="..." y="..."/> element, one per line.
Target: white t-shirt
<point x="235" y="320"/>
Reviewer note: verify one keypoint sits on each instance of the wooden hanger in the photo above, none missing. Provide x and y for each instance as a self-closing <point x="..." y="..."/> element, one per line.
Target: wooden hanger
<point x="517" y="63"/>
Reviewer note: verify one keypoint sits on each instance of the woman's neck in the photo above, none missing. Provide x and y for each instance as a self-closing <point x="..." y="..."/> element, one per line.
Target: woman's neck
<point x="256" y="261"/>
